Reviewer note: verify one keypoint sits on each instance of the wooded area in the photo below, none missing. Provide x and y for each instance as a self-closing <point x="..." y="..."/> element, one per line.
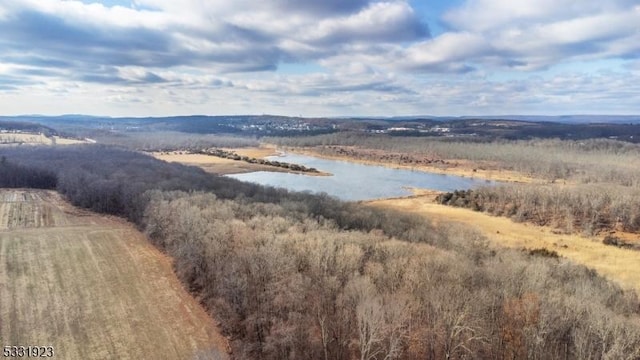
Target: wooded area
<point x="291" y="275"/>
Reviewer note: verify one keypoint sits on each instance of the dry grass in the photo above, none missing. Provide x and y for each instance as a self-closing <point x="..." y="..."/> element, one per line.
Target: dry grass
<point x="27" y="138"/>
<point x="35" y="139"/>
<point x="66" y="141"/>
<point x="256" y="152"/>
<point x="619" y="265"/>
<point x="91" y="286"/>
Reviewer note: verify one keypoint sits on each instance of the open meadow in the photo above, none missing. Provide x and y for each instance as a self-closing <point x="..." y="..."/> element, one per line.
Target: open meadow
<point x="92" y="286"/>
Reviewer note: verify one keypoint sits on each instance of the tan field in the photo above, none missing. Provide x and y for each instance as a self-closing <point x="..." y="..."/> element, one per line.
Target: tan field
<point x="619" y="265"/>
<point x="35" y="139"/>
<point x="92" y="287"/>
<point x="66" y="141"/>
<point x="256" y="152"/>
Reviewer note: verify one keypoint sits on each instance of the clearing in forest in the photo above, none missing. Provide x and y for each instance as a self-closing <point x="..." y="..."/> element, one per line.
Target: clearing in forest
<point x="92" y="287"/>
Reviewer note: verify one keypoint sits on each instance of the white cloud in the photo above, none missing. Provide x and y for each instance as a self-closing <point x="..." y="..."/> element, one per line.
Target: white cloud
<point x="525" y="35"/>
<point x="383" y="21"/>
<point x="447" y="52"/>
<point x="486" y="15"/>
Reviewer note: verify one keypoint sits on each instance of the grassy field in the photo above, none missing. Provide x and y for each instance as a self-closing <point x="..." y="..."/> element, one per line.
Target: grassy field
<point x="92" y="287"/>
<point x="35" y="139"/>
<point x="619" y="265"/>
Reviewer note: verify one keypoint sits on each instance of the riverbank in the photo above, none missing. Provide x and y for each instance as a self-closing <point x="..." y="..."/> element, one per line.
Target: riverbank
<point x="457" y="167"/>
<point x="226" y="166"/>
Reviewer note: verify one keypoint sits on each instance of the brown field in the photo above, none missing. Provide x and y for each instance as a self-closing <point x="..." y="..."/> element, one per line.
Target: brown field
<point x="619" y="265"/>
<point x="11" y="138"/>
<point x="35" y="139"/>
<point x="92" y="286"/>
<point x="66" y="141"/>
<point x="256" y="152"/>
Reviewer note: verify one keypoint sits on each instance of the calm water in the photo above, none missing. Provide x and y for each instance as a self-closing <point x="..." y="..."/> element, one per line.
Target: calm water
<point x="352" y="181"/>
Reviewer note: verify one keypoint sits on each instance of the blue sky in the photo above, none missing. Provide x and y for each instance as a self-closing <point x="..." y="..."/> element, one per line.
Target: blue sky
<point x="320" y="58"/>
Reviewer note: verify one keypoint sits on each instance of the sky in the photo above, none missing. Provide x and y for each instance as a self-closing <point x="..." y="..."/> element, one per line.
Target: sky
<point x="319" y="57"/>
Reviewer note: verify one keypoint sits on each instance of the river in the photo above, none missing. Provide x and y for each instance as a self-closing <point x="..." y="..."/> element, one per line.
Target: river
<point x="352" y="181"/>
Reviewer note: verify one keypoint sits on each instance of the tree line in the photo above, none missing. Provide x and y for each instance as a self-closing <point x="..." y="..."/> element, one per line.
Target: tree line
<point x="227" y="154"/>
<point x="17" y="176"/>
<point x="590" y="209"/>
<point x="163" y="140"/>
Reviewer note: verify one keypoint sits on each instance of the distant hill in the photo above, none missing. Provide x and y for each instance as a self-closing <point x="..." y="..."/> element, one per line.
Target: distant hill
<point x="576" y="127"/>
<point x="567" y="119"/>
<point x="25" y="126"/>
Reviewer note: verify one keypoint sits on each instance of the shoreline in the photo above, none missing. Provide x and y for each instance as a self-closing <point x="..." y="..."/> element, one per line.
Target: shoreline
<point x="492" y="175"/>
<point x="224" y="166"/>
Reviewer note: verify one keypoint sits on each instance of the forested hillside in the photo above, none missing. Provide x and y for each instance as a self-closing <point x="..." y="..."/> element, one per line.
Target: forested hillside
<point x="292" y="275"/>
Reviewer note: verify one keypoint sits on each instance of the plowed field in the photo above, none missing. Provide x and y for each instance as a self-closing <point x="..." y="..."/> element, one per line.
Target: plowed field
<point x="92" y="287"/>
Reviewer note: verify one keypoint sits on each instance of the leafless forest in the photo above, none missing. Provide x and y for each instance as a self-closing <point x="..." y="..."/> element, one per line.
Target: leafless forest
<point x="292" y="275"/>
<point x="170" y="140"/>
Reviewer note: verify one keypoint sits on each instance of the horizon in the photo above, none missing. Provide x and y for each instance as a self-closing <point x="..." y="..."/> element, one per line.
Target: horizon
<point x="355" y="58"/>
<point x="511" y="117"/>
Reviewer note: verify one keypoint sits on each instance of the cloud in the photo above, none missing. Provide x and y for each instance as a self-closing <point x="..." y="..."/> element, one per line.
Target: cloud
<point x="536" y="34"/>
<point x="365" y="55"/>
<point x="220" y="36"/>
<point x="446" y="53"/>
<point x="379" y="22"/>
<point x="12" y="81"/>
<point x="320" y="84"/>
<point x="487" y="15"/>
<point x="323" y="8"/>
